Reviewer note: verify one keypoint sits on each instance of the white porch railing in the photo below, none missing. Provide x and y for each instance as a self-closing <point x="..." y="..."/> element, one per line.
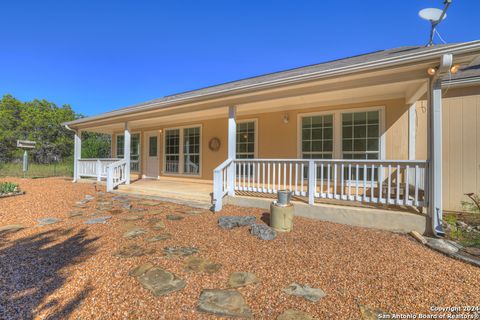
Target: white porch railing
<point x="96" y="168"/>
<point x="116" y="174"/>
<point x="393" y="182"/>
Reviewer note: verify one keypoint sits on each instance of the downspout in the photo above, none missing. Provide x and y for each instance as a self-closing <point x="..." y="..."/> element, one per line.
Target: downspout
<point x="435" y="144"/>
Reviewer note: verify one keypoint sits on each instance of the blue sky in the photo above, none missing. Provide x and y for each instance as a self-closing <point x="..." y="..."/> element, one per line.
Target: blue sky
<point x="102" y="55"/>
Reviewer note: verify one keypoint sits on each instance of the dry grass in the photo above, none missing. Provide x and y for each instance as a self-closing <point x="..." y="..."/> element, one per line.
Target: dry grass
<point x="67" y="270"/>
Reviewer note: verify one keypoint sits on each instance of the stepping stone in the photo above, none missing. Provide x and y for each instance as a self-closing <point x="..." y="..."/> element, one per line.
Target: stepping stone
<point x="153" y="220"/>
<point x="240" y="279"/>
<point x="133" y="217"/>
<point x="158" y="226"/>
<point x="199" y="264"/>
<point x="155" y="212"/>
<point x="81" y="202"/>
<point x="11" y="228"/>
<point x="157" y="280"/>
<point x="368" y="313"/>
<point x="73" y="214"/>
<point x="89" y="197"/>
<point x="231" y="222"/>
<point x="132" y="251"/>
<point x="306" y="292"/>
<point x="141" y="269"/>
<point x="98" y="220"/>
<point x="80" y="206"/>
<point x="149" y="203"/>
<point x="138" y="210"/>
<point x="227" y="303"/>
<point x="160" y="237"/>
<point x="291" y="314"/>
<point x="120" y="198"/>
<point x="263" y="232"/>
<point x="179" y="251"/>
<point x="46" y="221"/>
<point x="174" y="217"/>
<point x="134" y="232"/>
<point x="127" y="206"/>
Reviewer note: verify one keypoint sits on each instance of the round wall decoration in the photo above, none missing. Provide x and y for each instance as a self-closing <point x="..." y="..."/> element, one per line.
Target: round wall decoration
<point x="214" y="144"/>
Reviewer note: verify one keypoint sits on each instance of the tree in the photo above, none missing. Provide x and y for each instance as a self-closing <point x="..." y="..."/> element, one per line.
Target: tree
<point x="38" y="120"/>
<point x="96" y="145"/>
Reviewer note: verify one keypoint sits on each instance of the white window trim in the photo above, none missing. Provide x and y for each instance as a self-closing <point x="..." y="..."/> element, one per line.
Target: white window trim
<point x="255" y="136"/>
<point x="181" y="153"/>
<point x="337" y="129"/>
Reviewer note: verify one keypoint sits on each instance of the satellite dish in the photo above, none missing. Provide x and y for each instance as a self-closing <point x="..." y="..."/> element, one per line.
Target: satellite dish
<point x="432" y="14"/>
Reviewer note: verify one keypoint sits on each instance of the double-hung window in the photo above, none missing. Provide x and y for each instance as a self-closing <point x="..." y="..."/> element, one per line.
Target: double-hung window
<point x="134" y="150"/>
<point x="182" y="150"/>
<point x="246" y="140"/>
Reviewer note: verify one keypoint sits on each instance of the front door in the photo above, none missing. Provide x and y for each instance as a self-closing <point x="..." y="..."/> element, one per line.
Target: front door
<point x="153" y="157"/>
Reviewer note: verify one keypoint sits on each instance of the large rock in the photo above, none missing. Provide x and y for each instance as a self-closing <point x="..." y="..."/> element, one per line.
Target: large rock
<point x="133" y="217"/>
<point x="262" y="231"/>
<point x="306" y="292"/>
<point x="227" y="303"/>
<point x="240" y="279"/>
<point x="291" y="314"/>
<point x="159" y="281"/>
<point x="230" y="222"/>
<point x="174" y="217"/>
<point x="199" y="264"/>
<point x="441" y="245"/>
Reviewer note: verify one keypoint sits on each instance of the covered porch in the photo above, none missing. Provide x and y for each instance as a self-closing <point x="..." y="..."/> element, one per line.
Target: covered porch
<point x="200" y="147"/>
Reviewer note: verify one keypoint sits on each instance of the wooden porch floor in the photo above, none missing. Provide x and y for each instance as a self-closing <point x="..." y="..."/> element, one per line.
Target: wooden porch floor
<point x="188" y="191"/>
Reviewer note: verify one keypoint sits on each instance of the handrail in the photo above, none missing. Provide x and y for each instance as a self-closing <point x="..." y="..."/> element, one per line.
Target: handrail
<point x="393" y="182"/>
<point x="116" y="174"/>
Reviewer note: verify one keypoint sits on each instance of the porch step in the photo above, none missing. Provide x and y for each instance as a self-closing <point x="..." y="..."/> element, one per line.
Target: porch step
<point x="171" y="192"/>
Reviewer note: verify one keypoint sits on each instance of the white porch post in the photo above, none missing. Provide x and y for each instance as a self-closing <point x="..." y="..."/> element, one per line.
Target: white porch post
<point x="77" y="154"/>
<point x="412" y="130"/>
<point x="232" y="147"/>
<point x="435" y="155"/>
<point x="126" y="152"/>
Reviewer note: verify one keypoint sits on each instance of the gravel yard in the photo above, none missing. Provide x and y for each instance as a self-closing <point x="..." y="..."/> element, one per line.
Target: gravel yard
<point x="74" y="270"/>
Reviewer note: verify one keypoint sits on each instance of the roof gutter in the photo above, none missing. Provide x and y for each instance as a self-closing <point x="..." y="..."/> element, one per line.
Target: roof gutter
<point x="408" y="58"/>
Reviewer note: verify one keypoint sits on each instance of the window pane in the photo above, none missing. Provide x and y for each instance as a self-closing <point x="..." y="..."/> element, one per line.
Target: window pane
<point x="347" y="119"/>
<point x="373" y="117"/>
<point x="172" y="150"/>
<point x="246" y="140"/>
<point x="359" y="118"/>
<point x="152" y="146"/>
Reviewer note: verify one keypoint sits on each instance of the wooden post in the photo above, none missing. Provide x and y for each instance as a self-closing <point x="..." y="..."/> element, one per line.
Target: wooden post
<point x="126" y="152"/>
<point x="232" y="147"/>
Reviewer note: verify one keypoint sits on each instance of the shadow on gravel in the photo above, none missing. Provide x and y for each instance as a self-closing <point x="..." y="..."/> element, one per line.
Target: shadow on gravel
<point x="31" y="270"/>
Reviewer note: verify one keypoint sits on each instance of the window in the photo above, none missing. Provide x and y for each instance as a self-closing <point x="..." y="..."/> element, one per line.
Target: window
<point x="317" y="137"/>
<point x="134" y="150"/>
<point x="360" y="135"/>
<point x="120" y="146"/>
<point x="361" y="139"/>
<point x="191" y="150"/>
<point x="172" y="150"/>
<point x="245" y="140"/>
<point x="152" y="146"/>
<point x="182" y="150"/>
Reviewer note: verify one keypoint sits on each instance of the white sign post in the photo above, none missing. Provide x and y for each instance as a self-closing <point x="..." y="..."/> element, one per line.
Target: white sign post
<point x="25" y="144"/>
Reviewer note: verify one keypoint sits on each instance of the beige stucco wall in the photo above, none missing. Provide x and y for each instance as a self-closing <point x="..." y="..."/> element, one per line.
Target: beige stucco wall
<point x="461" y="143"/>
<point x="277" y="139"/>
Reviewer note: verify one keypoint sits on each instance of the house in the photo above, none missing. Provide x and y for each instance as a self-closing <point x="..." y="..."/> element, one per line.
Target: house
<point x="387" y="139"/>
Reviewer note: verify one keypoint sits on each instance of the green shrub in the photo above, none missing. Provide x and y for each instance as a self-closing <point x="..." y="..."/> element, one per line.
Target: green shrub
<point x="7" y="187"/>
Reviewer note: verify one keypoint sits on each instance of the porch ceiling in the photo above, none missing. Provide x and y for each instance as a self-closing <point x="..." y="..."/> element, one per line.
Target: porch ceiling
<point x="335" y="93"/>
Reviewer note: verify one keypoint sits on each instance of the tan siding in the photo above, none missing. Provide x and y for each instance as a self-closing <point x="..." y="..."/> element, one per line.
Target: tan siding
<point x="461" y="143"/>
